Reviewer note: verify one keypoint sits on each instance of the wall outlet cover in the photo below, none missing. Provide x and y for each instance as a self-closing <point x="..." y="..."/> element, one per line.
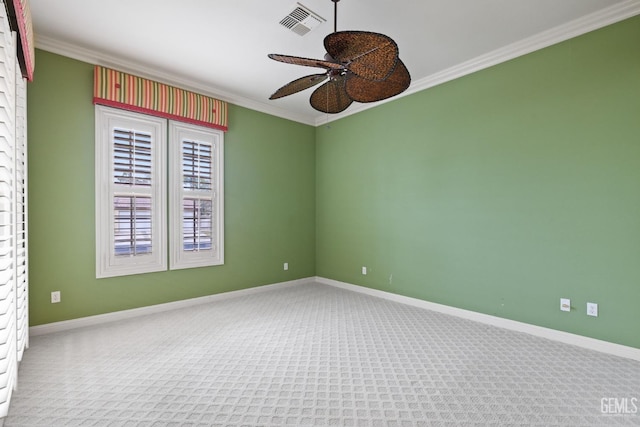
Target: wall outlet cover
<point x="565" y="304"/>
<point x="55" y="297"/>
<point x="592" y="309"/>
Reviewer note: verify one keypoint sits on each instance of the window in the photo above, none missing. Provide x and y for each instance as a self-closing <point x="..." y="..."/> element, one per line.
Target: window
<point x="130" y="193"/>
<point x="132" y="179"/>
<point x="195" y="196"/>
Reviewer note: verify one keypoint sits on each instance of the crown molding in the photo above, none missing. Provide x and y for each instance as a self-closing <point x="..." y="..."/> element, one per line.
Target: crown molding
<point x="571" y="29"/>
<point x="90" y="56"/>
<point x="577" y="27"/>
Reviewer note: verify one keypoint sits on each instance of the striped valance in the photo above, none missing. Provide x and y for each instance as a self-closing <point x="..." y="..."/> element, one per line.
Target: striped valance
<point x="20" y="14"/>
<point x="122" y="90"/>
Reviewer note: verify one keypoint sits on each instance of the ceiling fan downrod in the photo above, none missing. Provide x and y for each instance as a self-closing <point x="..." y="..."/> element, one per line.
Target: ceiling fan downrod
<point x="360" y="66"/>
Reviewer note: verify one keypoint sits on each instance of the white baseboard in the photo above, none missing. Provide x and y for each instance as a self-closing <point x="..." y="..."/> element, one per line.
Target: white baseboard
<point x="552" y="334"/>
<point x="66" y="325"/>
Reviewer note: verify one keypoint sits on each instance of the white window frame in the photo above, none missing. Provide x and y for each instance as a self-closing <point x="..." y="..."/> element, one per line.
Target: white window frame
<point x="179" y="257"/>
<point x="107" y="263"/>
<point x="110" y="265"/>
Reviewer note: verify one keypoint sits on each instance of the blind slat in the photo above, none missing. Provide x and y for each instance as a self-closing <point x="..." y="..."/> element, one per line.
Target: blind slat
<point x="12" y="212"/>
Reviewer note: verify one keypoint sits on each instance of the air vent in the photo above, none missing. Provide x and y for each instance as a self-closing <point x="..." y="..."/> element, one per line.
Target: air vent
<point x="301" y="20"/>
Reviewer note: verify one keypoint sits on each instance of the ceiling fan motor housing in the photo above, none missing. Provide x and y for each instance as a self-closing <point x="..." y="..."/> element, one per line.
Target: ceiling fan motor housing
<point x="360" y="66"/>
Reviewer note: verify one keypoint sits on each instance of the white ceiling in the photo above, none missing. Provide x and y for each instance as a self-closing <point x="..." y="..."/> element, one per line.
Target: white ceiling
<point x="220" y="47"/>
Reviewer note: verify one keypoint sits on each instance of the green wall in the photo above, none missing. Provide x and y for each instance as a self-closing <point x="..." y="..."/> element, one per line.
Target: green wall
<point x="499" y="192"/>
<point x="269" y="204"/>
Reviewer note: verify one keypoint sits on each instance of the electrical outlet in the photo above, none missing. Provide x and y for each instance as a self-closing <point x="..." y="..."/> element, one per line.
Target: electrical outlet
<point x="565" y="304"/>
<point x="55" y="297"/>
<point x="364" y="271"/>
<point x="592" y="309"/>
<point x="286" y="266"/>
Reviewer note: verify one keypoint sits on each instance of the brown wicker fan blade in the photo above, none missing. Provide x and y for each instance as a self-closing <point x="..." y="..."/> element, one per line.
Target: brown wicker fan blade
<point x="296" y="60"/>
<point x="331" y="97"/>
<point x="298" y="85"/>
<point x="363" y="90"/>
<point x="369" y="55"/>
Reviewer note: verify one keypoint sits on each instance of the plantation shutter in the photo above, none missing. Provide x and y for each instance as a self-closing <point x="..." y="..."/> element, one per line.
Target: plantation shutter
<point x="197" y="201"/>
<point x="21" y="260"/>
<point x="132" y="168"/>
<point x="8" y="354"/>
<point x="131" y="193"/>
<point x="196" y="196"/>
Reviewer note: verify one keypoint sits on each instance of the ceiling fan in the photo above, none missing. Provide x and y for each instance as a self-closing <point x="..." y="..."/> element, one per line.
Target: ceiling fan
<point x="360" y="66"/>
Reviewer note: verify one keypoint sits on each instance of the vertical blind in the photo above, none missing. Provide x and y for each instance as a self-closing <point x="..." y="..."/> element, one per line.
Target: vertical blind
<point x="13" y="215"/>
